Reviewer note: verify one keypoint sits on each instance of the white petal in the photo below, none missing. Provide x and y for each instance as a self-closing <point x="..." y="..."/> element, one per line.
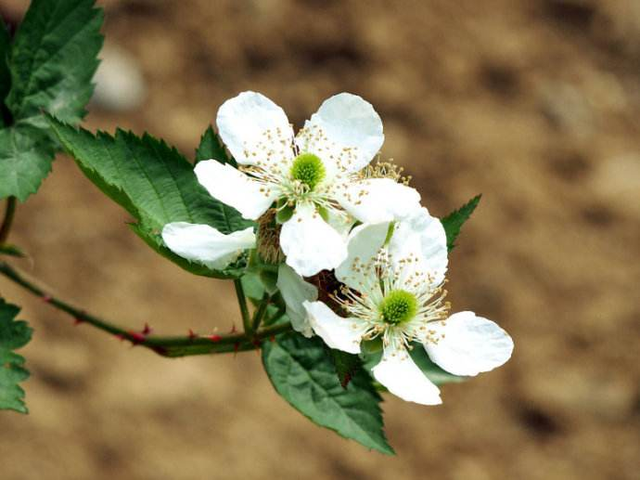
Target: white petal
<point x="402" y="377"/>
<point x="309" y="243"/>
<point x="205" y="244"/>
<point x="423" y="238"/>
<point x="337" y="332"/>
<point x="295" y="291"/>
<point x="344" y="121"/>
<point x="252" y="126"/>
<point x="364" y="243"/>
<point x="470" y="344"/>
<point x="378" y="200"/>
<point x="234" y="188"/>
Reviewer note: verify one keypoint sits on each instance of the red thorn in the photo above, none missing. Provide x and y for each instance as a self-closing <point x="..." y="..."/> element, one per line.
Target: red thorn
<point x="236" y="347"/>
<point x="121" y="337"/>
<point x="136" y="338"/>
<point x="146" y="330"/>
<point x="272" y="338"/>
<point x="233" y="329"/>
<point x="192" y="335"/>
<point x="215" y="338"/>
<point x="46" y="298"/>
<point x="77" y="321"/>
<point x="256" y="343"/>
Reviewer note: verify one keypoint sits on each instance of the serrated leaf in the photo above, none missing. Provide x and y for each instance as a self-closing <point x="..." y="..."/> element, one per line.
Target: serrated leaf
<point x="453" y="222"/>
<point x="53" y="59"/>
<point x="212" y="148"/>
<point x="303" y="373"/>
<point x="150" y="179"/>
<point x="5" y="74"/>
<point x="25" y="160"/>
<point x="433" y="372"/>
<point x="11" y="250"/>
<point x="14" y="334"/>
<point x="346" y="364"/>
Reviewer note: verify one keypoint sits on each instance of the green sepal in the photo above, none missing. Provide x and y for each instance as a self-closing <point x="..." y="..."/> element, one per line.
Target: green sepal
<point x="14" y="334"/>
<point x="433" y="372"/>
<point x="303" y="373"/>
<point x="453" y="222"/>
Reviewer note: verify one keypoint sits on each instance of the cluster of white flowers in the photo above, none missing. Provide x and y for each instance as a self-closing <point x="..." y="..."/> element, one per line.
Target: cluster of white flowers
<point x="387" y="254"/>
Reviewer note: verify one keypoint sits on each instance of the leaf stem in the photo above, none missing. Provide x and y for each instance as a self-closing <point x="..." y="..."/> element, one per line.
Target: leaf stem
<point x="9" y="214"/>
<point x="244" y="309"/>
<point x="259" y="314"/>
<point x="167" y="346"/>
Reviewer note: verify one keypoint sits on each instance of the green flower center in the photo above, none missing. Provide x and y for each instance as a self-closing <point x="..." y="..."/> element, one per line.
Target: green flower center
<point x="308" y="169"/>
<point x="398" y="307"/>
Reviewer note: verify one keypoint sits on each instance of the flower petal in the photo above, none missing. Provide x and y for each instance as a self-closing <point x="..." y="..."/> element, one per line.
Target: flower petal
<point x="337" y="332"/>
<point x="422" y="238"/>
<point x="469" y="344"/>
<point x="295" y="291"/>
<point x="205" y="244"/>
<point x="255" y="129"/>
<point x="345" y="127"/>
<point x="234" y="188"/>
<point x="377" y="200"/>
<point x="402" y="377"/>
<point x="309" y="243"/>
<point x="364" y="243"/>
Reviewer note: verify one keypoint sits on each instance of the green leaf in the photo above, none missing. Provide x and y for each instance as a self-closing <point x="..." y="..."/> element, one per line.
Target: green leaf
<point x="151" y="180"/>
<point x="301" y="370"/>
<point x="453" y="222"/>
<point x="430" y="369"/>
<point x="347" y="366"/>
<point x="11" y="250"/>
<point x="25" y="159"/>
<point x="53" y="59"/>
<point x="13" y="335"/>
<point x="212" y="148"/>
<point x="5" y="74"/>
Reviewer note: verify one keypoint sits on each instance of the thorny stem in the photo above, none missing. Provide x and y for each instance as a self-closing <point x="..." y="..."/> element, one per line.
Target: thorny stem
<point x="259" y="314"/>
<point x="167" y="346"/>
<point x="9" y="213"/>
<point x="244" y="309"/>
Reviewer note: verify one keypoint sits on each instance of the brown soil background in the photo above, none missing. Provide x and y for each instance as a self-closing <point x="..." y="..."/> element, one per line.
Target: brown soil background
<point x="534" y="104"/>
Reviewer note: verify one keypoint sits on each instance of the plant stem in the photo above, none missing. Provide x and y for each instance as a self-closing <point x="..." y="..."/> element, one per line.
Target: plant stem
<point x="9" y="213"/>
<point x="260" y="312"/>
<point x="167" y="346"/>
<point x="244" y="310"/>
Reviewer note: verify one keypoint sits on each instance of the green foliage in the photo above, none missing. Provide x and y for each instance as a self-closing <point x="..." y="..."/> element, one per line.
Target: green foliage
<point x="14" y="334"/>
<point x="47" y="68"/>
<point x="302" y="371"/>
<point x="430" y="369"/>
<point x="453" y="222"/>
<point x="5" y="74"/>
<point x="53" y="59"/>
<point x="211" y="148"/>
<point x="152" y="181"/>
<point x="25" y="159"/>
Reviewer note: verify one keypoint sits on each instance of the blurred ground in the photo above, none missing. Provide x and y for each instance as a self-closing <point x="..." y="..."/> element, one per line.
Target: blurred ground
<point x="534" y="104"/>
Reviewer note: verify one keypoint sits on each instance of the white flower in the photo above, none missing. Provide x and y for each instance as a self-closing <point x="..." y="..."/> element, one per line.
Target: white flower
<point x="315" y="177"/>
<point x="206" y="245"/>
<point x="295" y="291"/>
<point x="394" y="292"/>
